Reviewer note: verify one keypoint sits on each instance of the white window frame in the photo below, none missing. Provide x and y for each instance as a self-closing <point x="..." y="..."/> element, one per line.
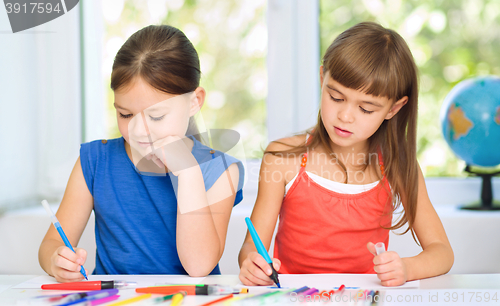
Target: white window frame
<point x="293" y="62"/>
<point x="93" y="95"/>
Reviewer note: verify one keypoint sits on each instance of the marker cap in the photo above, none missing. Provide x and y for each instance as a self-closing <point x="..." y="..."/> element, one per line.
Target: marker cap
<point x="380" y="247"/>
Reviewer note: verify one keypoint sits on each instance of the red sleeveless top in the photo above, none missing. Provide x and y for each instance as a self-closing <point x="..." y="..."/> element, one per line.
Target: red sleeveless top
<point x="322" y="231"/>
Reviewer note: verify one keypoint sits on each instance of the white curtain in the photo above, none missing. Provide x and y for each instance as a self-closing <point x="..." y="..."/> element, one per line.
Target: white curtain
<point x="41" y="107"/>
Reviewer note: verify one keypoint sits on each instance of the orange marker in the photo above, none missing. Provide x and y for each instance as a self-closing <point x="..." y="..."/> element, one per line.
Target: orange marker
<point x="190" y="289"/>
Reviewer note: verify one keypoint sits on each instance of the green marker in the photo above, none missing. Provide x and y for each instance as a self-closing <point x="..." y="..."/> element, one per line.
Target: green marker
<point x="272" y="297"/>
<point x="161" y="299"/>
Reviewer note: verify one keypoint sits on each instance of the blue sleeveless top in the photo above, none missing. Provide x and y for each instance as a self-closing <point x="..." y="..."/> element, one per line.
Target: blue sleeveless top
<point x="135" y="214"/>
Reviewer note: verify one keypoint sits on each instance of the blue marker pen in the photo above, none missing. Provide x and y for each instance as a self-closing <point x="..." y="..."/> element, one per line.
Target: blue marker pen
<point x="262" y="250"/>
<point x="58" y="227"/>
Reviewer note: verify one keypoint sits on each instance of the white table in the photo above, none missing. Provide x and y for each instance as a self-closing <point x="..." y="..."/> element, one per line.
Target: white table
<point x="476" y="283"/>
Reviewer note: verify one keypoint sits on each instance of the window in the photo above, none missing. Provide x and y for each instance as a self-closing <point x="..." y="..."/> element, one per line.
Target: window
<point x="40" y="118"/>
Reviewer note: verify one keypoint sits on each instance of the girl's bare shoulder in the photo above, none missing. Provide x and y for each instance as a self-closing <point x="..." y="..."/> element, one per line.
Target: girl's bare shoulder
<point x="280" y="156"/>
<point x="286" y="143"/>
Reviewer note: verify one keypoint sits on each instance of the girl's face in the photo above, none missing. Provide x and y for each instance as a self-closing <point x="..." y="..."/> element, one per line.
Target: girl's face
<point x="350" y="116"/>
<point x="145" y="114"/>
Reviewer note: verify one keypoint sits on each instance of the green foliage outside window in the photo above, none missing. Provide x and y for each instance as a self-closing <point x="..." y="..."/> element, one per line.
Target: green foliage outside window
<point x="451" y="40"/>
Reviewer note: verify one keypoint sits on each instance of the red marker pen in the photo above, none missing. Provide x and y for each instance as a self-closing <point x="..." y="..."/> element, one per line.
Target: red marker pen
<point x="92" y="285"/>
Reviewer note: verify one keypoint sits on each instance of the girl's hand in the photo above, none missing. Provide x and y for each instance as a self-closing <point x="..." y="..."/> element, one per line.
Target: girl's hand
<point x="173" y="153"/>
<point x="255" y="270"/>
<point x="390" y="268"/>
<point x="65" y="264"/>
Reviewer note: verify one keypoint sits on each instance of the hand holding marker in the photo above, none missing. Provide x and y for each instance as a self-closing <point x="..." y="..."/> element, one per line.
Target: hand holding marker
<point x="58" y="227"/>
<point x="262" y="250"/>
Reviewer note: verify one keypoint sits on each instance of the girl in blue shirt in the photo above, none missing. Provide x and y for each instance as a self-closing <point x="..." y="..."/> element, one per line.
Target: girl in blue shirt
<point x="162" y="200"/>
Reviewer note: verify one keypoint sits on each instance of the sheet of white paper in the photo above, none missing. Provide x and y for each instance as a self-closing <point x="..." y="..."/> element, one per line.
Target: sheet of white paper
<point x="4" y="287"/>
<point x="364" y="281"/>
<point x="331" y="281"/>
<point x="141" y="280"/>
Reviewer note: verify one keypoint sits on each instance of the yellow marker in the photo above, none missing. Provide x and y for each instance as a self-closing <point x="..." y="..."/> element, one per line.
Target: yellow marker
<point x="235" y="298"/>
<point x="132" y="300"/>
<point x="177" y="299"/>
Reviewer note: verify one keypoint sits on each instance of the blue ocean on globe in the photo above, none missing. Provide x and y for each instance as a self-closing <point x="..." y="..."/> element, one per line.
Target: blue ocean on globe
<point x="470" y="120"/>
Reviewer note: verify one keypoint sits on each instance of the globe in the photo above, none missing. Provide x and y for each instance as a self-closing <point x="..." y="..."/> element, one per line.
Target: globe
<point x="470" y="120"/>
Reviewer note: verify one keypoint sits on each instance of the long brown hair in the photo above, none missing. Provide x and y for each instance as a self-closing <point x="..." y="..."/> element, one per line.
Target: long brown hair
<point x="377" y="60"/>
<point x="164" y="58"/>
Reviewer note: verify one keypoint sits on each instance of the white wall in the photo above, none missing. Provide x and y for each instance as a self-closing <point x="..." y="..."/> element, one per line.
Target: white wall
<point x="26" y="229"/>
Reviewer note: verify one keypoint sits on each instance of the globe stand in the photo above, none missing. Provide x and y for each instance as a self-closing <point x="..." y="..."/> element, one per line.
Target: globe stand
<point x="486" y="191"/>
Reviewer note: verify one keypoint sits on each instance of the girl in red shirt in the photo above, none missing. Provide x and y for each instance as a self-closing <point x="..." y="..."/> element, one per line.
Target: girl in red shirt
<point x="336" y="187"/>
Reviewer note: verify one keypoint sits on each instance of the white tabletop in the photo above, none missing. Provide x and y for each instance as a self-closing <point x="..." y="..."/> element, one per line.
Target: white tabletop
<point x="9" y="294"/>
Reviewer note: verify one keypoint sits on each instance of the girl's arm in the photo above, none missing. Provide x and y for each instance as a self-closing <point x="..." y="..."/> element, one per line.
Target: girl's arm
<point x="436" y="257"/>
<point x="203" y="218"/>
<point x="76" y="206"/>
<point x="254" y="270"/>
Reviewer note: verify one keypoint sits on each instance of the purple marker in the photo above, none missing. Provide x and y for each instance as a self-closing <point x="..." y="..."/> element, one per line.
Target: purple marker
<point x="88" y="296"/>
<point x="97" y="302"/>
<point x="310" y="291"/>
